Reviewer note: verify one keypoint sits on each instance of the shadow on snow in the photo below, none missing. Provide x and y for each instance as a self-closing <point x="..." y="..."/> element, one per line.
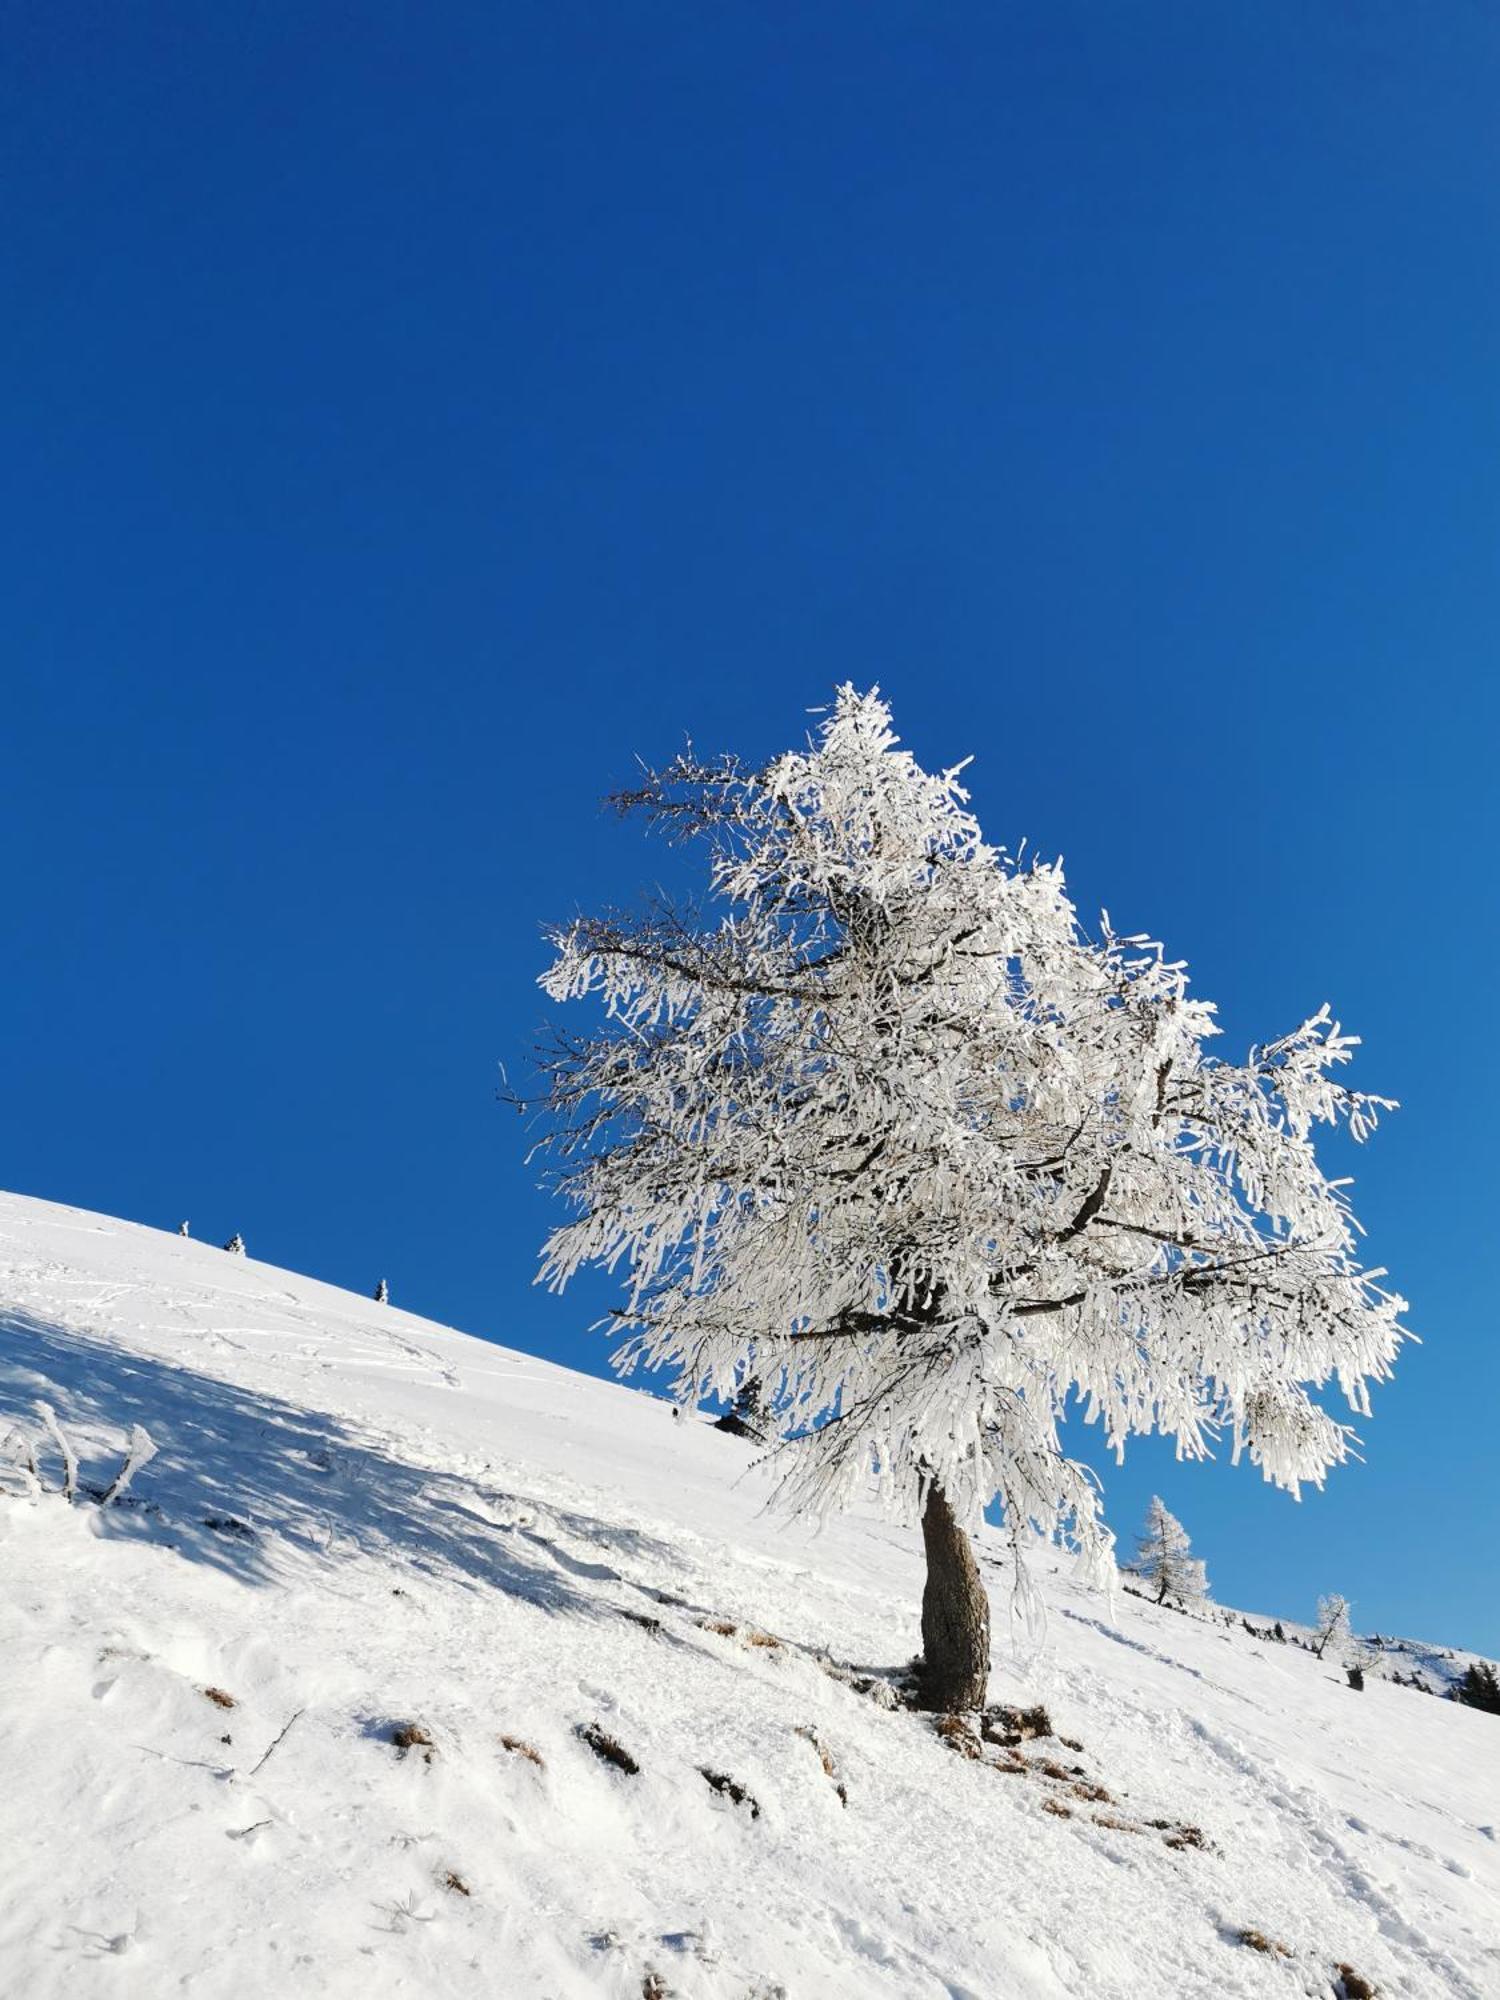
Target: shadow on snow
<point x="259" y="1488"/>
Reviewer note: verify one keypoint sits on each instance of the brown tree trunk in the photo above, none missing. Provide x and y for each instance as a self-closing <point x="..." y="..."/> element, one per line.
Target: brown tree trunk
<point x="955" y="1614"/>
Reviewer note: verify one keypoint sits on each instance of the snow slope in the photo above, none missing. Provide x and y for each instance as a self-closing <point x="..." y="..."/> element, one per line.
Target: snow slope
<point x="358" y="1520"/>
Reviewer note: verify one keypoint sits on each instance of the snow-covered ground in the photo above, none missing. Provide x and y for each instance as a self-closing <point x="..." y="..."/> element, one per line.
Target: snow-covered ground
<point x="357" y="1521"/>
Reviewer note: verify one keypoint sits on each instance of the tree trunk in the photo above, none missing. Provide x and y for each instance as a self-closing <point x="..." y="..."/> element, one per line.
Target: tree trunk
<point x="955" y="1614"/>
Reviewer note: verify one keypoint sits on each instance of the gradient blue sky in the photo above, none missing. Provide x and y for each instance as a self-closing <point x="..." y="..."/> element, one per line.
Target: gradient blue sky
<point x="411" y="414"/>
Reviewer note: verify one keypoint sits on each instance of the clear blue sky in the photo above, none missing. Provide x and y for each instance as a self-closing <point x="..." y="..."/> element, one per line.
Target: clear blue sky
<point x="411" y="414"/>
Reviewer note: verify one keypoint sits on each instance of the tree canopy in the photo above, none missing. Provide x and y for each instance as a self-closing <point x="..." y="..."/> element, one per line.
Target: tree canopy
<point x="884" y="1125"/>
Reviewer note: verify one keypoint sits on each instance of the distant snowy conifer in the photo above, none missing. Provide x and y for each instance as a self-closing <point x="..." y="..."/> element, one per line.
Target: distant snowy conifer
<point x="1479" y="1687"/>
<point x="1333" y="1624"/>
<point x="183" y="1230"/>
<point x="1359" y="1657"/>
<point x="236" y="1245"/>
<point x="1163" y="1558"/>
<point x="747" y="1416"/>
<point x="895" y="1125"/>
<point x="382" y="1293"/>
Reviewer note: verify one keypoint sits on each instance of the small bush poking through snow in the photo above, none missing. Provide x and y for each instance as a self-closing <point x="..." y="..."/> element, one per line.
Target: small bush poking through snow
<point x="226" y="1524"/>
<point x="1353" y="1986"/>
<point x="825" y="1758"/>
<point x="1258" y="1941"/>
<point x="409" y="1736"/>
<point x="1010" y="1726"/>
<point x="607" y="1749"/>
<point x="220" y="1699"/>
<point x="729" y="1788"/>
<point x="1084" y="1788"/>
<point x="518" y="1747"/>
<point x="959" y="1736"/>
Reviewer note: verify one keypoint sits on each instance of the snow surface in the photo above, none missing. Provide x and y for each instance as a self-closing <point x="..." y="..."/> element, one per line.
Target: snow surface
<point x="357" y="1520"/>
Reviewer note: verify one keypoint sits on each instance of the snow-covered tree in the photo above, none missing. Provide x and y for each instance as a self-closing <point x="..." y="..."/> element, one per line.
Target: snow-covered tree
<point x="236" y="1245"/>
<point x="1163" y="1557"/>
<point x="890" y="1120"/>
<point x="183" y="1230"/>
<point x="1333" y="1624"/>
<point x="382" y="1293"/>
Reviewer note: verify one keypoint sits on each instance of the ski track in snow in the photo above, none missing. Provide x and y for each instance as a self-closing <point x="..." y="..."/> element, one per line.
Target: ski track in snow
<point x="357" y="1519"/>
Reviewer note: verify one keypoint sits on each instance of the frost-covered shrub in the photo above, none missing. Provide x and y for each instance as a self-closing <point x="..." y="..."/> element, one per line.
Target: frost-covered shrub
<point x="20" y="1469"/>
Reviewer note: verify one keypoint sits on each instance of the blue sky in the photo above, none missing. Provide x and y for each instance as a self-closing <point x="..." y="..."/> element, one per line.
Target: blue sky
<point x="411" y="415"/>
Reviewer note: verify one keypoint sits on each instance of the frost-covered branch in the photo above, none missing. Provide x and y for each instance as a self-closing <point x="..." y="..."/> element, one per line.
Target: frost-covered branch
<point x="140" y="1451"/>
<point x="69" y="1458"/>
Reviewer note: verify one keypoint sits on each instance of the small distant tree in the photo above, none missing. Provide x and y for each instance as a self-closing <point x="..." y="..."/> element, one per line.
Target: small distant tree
<point x="382" y="1293"/>
<point x="236" y="1245"/>
<point x="1358" y="1656"/>
<point x="893" y="1127"/>
<point x="747" y="1416"/>
<point x="1479" y="1687"/>
<point x="1164" y="1560"/>
<point x="1278" y="1633"/>
<point x="183" y="1230"/>
<point x="1333" y="1624"/>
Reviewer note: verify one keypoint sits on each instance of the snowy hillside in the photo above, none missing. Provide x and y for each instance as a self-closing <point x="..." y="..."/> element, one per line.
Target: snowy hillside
<point x="311" y="1711"/>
